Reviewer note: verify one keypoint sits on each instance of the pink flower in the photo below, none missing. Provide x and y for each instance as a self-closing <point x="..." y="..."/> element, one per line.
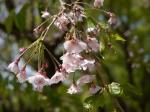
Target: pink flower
<point x="13" y="67"/>
<point x="58" y="76"/>
<point x="22" y="76"/>
<point x="38" y="81"/>
<point x="74" y="89"/>
<point x="85" y="79"/>
<point x="74" y="46"/>
<point x="88" y="64"/>
<point x="62" y="22"/>
<point x="71" y="62"/>
<point x="93" y="44"/>
<point x="98" y="3"/>
<point x="94" y="89"/>
<point x="45" y="14"/>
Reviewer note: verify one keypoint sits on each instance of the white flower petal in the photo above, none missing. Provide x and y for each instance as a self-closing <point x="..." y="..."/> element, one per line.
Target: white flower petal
<point x="57" y="77"/>
<point x="38" y="81"/>
<point x="13" y="67"/>
<point x="93" y="44"/>
<point x="74" y="89"/>
<point x="71" y="62"/>
<point x="74" y="46"/>
<point x="88" y="64"/>
<point x="21" y="76"/>
<point x="45" y="14"/>
<point x="94" y="89"/>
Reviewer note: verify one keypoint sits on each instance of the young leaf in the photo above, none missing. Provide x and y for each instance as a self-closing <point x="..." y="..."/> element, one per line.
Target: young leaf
<point x="9" y="21"/>
<point x="95" y="100"/>
<point x="20" y="18"/>
<point x="117" y="37"/>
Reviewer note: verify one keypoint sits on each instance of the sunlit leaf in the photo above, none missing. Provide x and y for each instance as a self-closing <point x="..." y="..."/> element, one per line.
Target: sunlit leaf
<point x="117" y="37"/>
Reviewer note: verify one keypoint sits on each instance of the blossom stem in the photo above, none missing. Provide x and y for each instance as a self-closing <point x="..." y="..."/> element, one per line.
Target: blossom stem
<point x="30" y="46"/>
<point x="44" y="22"/>
<point x="48" y="27"/>
<point x="51" y="55"/>
<point x="30" y="57"/>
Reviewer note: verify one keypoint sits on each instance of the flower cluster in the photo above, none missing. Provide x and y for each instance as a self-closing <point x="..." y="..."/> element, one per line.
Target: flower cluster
<point x="77" y="56"/>
<point x="39" y="80"/>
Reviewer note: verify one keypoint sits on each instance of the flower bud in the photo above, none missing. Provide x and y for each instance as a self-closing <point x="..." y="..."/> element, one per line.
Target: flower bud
<point x="22" y="49"/>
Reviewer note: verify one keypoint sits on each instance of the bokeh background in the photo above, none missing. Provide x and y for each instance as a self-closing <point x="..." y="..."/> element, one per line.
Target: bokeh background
<point x="127" y="62"/>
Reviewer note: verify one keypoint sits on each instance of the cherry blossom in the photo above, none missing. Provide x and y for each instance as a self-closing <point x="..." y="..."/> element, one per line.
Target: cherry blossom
<point x="77" y="14"/>
<point x="74" y="89"/>
<point x="74" y="46"/>
<point x="72" y="62"/>
<point x="85" y="79"/>
<point x="58" y="76"/>
<point x="88" y="64"/>
<point x="93" y="44"/>
<point x="94" y="89"/>
<point x="62" y="22"/>
<point x="38" y="81"/>
<point x="13" y="67"/>
<point x="98" y="3"/>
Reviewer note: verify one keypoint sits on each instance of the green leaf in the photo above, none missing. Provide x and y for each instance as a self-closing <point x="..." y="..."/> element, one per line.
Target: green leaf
<point x="131" y="90"/>
<point x="103" y="25"/>
<point x="95" y="101"/>
<point x="20" y="18"/>
<point x="91" y="22"/>
<point x="9" y="21"/>
<point x="117" y="37"/>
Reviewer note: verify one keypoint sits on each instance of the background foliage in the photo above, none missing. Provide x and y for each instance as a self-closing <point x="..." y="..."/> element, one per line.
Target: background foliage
<point x="128" y="62"/>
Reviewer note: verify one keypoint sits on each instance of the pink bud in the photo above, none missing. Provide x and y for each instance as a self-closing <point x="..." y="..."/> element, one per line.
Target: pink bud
<point x="45" y="65"/>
